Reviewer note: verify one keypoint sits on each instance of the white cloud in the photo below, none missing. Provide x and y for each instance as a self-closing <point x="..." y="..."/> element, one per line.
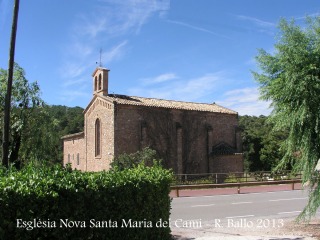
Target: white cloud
<point x="130" y="15"/>
<point x="259" y="25"/>
<point x="246" y="102"/>
<point x="160" y="79"/>
<point x="179" y="89"/>
<point x="256" y="21"/>
<point x="110" y="21"/>
<point x="68" y="96"/>
<point x="115" y="52"/>
<point x="197" y="28"/>
<point x="72" y="70"/>
<point x="90" y="26"/>
<point x="75" y="81"/>
<point x="316" y="14"/>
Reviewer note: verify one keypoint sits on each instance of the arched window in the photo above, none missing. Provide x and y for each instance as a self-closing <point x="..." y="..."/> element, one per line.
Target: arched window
<point x="97" y="138"/>
<point x="99" y="88"/>
<point x="95" y="83"/>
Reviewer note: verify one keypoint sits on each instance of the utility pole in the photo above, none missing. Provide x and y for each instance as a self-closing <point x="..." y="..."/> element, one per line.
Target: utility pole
<point x="7" y="105"/>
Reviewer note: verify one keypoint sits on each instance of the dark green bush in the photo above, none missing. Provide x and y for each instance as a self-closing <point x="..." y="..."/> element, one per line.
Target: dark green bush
<point x="54" y="194"/>
<point x="146" y="156"/>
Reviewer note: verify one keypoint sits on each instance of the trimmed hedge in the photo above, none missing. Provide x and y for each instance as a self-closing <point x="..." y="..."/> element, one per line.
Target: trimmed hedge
<point x="57" y="203"/>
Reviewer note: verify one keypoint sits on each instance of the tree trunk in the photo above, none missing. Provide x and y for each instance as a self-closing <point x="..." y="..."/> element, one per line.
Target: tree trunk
<point x="15" y="148"/>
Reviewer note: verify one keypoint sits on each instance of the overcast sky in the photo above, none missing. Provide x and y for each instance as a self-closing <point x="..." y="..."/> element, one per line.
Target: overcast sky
<point x="188" y="50"/>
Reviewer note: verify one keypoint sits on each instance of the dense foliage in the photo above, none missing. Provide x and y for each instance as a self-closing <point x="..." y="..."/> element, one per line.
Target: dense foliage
<point x="261" y="144"/>
<point x="41" y="140"/>
<point x="36" y="128"/>
<point x="290" y="79"/>
<point x="57" y="196"/>
<point x="24" y="100"/>
<point x="147" y="157"/>
<point x="57" y="122"/>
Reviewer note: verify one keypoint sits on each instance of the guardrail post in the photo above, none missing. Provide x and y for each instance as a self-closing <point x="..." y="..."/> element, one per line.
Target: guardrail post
<point x="239" y="188"/>
<point x="292" y="187"/>
<point x="177" y="192"/>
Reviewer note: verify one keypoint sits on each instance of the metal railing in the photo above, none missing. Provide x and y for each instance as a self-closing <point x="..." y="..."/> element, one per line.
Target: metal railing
<point x="234" y="177"/>
<point x="233" y="180"/>
<point x="177" y="188"/>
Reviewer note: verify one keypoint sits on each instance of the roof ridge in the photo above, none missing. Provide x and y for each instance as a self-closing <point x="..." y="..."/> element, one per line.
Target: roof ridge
<point x="166" y="103"/>
<point x="72" y="135"/>
<point x="171" y="100"/>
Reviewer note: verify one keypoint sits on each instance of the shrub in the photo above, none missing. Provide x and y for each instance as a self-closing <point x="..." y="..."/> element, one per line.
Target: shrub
<point x="55" y="196"/>
<point x="147" y="157"/>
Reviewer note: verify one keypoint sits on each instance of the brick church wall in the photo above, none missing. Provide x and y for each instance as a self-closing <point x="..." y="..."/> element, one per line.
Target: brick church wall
<point x="180" y="137"/>
<point x="103" y="111"/>
<point x="74" y="151"/>
<point x="226" y="163"/>
<point x="183" y="134"/>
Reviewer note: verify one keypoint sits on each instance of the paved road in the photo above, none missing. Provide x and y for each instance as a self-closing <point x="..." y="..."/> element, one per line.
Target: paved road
<point x="271" y="204"/>
<point x="235" y="214"/>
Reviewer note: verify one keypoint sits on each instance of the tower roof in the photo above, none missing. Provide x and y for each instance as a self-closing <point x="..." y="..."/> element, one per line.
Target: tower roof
<point x="99" y="68"/>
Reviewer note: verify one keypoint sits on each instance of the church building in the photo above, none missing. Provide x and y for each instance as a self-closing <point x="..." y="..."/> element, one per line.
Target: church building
<point x="189" y="137"/>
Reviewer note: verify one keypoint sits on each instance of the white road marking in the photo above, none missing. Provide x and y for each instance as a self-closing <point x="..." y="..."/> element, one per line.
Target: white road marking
<point x="289" y="212"/>
<point x="244" y="216"/>
<point x="230" y="195"/>
<point x="212" y="196"/>
<point x="208" y="205"/>
<point x="286" y="199"/>
<point x="240" y="203"/>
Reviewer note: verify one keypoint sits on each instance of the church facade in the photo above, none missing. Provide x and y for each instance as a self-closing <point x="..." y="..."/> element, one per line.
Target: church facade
<point x="188" y="137"/>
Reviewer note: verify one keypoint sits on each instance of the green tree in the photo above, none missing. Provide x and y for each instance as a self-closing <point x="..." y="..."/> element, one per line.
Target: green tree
<point x="46" y="126"/>
<point x="36" y="128"/>
<point x="59" y="121"/>
<point x="290" y="79"/>
<point x="25" y="98"/>
<point x="41" y="139"/>
<point x="252" y="141"/>
<point x="146" y="156"/>
<point x="261" y="145"/>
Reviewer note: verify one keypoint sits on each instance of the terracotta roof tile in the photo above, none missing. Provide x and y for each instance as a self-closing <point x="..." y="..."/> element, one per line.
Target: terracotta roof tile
<point x="153" y="102"/>
<point x="74" y="135"/>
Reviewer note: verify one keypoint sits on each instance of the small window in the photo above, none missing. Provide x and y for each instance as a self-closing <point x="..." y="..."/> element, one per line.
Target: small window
<point x="97" y="137"/>
<point x="78" y="159"/>
<point x="68" y="158"/>
<point x="99" y="88"/>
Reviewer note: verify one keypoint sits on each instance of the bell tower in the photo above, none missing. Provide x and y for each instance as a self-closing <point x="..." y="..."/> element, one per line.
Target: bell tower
<point x="100" y="81"/>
